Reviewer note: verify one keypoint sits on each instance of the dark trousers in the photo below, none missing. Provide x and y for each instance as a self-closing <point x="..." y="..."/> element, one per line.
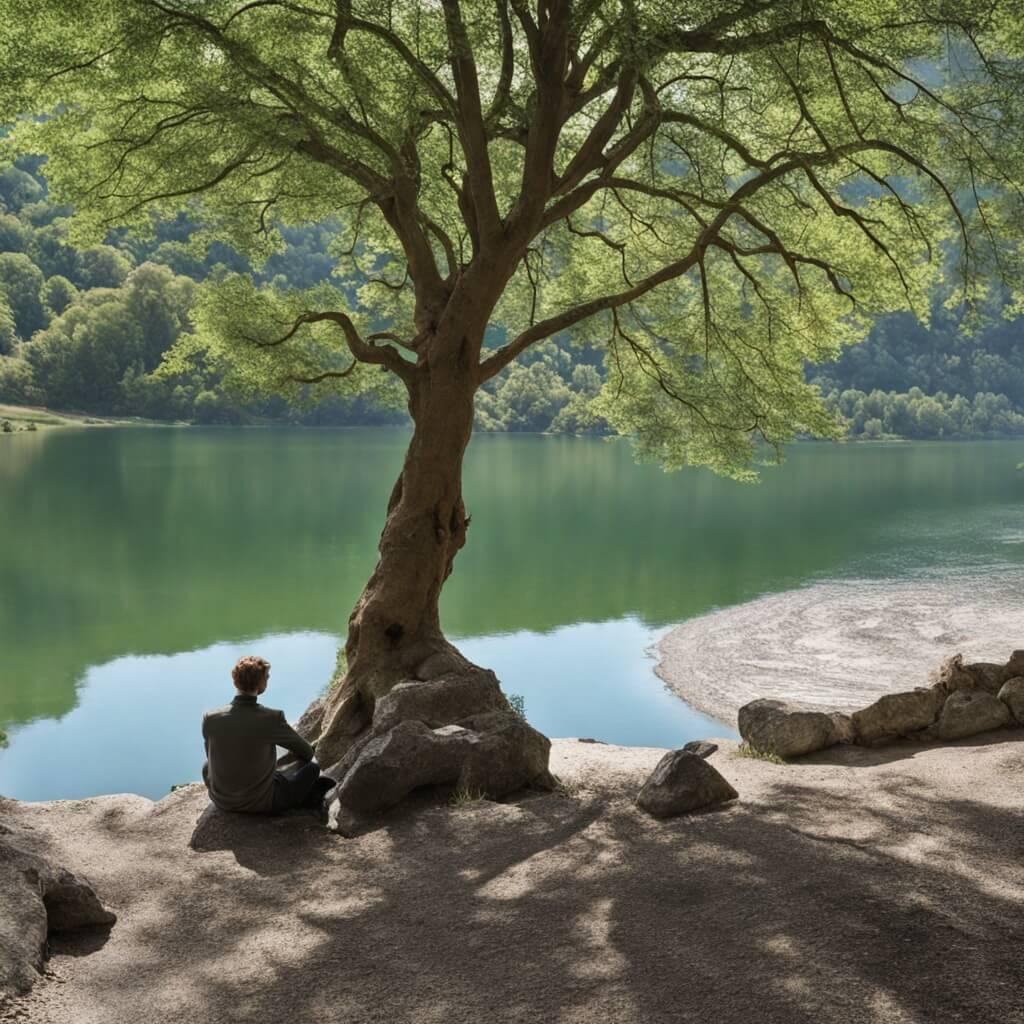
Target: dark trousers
<point x="296" y="787"/>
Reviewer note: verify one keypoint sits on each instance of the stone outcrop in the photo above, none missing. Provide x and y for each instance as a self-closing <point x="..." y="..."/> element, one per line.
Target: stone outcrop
<point x="38" y="897"/>
<point x="964" y="700"/>
<point x="491" y="754"/>
<point x="969" y="712"/>
<point x="455" y="729"/>
<point x="989" y="676"/>
<point x="682" y="782"/>
<point x="898" y="714"/>
<point x="786" y="730"/>
<point x="1012" y="695"/>
<point x="702" y="748"/>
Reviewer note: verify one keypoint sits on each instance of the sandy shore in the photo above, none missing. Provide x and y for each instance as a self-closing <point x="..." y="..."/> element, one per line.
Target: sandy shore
<point x="852" y="888"/>
<point x="840" y="645"/>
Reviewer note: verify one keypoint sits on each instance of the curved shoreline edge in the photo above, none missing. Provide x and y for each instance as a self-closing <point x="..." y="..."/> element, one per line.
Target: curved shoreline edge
<point x="842" y="644"/>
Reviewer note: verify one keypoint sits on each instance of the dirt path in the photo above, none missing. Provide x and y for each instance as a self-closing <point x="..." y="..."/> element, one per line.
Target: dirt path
<point x="862" y="887"/>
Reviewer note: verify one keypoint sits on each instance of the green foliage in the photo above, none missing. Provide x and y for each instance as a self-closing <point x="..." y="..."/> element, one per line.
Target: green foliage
<point x="715" y="201"/>
<point x="8" y="336"/>
<point x="464" y="795"/>
<point x="916" y="415"/>
<point x="745" y="750"/>
<point x="20" y="284"/>
<point x="518" y="704"/>
<point x="57" y="294"/>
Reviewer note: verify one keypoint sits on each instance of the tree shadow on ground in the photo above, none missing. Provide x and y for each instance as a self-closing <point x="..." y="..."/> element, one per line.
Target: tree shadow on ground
<point x="851" y="756"/>
<point x="805" y="904"/>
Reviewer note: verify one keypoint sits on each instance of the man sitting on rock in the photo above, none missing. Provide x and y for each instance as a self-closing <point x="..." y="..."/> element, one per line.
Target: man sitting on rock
<point x="241" y="757"/>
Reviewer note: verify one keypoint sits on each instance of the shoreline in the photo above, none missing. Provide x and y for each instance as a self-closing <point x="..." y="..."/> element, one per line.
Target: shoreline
<point x="839" y="645"/>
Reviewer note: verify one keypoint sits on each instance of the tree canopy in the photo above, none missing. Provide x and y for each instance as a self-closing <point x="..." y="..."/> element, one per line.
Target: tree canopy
<point x="716" y="196"/>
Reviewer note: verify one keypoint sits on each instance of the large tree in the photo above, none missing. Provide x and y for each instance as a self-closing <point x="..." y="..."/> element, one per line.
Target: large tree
<point x="716" y="192"/>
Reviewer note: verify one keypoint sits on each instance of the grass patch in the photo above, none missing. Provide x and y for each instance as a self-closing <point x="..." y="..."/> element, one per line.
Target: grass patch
<point x="746" y="750"/>
<point x="463" y="795"/>
<point x="568" y="787"/>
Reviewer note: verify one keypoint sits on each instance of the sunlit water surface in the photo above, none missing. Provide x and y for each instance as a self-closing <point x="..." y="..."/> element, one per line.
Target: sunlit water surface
<point x="137" y="565"/>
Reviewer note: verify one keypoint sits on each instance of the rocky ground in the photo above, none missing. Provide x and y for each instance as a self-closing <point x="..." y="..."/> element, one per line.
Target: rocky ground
<point x="854" y="886"/>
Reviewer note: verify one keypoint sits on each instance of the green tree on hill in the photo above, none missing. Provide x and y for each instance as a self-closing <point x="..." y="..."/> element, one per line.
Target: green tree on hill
<point x="716" y="196"/>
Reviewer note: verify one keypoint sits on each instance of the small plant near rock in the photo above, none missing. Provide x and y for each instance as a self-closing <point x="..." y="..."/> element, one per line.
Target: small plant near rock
<point x="177" y="786"/>
<point x="568" y="787"/>
<point x="518" y="704"/>
<point x="6" y="427"/>
<point x="31" y="425"/>
<point x="463" y="795"/>
<point x="3" y="739"/>
<point x="746" y="750"/>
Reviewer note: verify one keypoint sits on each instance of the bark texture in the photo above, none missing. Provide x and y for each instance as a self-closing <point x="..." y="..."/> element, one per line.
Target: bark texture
<point x="394" y="631"/>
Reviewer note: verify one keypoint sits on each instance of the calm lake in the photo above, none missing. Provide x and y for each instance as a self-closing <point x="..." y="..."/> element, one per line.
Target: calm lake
<point x="136" y="565"/>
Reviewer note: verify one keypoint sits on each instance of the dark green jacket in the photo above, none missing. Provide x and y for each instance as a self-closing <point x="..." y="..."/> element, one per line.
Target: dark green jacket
<point x="240" y="753"/>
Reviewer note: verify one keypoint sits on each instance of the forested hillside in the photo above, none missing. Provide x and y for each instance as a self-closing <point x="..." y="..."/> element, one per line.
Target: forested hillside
<point x="84" y="329"/>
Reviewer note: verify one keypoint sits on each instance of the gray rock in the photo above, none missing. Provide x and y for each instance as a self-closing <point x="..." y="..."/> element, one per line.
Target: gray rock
<point x="844" y="730"/>
<point x="988" y="676"/>
<point x="683" y="781"/>
<point x="953" y="676"/>
<point x="348" y="823"/>
<point x="309" y="725"/>
<point x="1012" y="695"/>
<point x="494" y="753"/>
<point x="510" y="755"/>
<point x="39" y="897"/>
<point x="787" y="730"/>
<point x="898" y="714"/>
<point x="441" y="701"/>
<point x="968" y="712"/>
<point x="702" y="748"/>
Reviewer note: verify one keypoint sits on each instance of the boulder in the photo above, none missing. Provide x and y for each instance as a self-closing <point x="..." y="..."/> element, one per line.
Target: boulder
<point x="1012" y="695"/>
<point x="494" y="753"/>
<point x="898" y="714"/>
<point x="511" y="755"/>
<point x="702" y="748"/>
<point x="442" y="701"/>
<point x="786" y="730"/>
<point x="39" y="897"/>
<point x="843" y="728"/>
<point x="988" y="676"/>
<point x="968" y="712"/>
<point x="683" y="781"/>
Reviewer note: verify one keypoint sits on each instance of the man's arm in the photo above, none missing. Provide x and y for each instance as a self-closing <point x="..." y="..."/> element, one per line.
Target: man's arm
<point x="285" y="736"/>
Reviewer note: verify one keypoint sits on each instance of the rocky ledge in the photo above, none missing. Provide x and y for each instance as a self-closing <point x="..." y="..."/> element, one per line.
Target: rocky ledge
<point x="39" y="897"/>
<point x="963" y="700"/>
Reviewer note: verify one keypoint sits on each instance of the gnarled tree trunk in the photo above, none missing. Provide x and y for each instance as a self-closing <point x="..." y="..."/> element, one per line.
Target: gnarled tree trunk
<point x="394" y="631"/>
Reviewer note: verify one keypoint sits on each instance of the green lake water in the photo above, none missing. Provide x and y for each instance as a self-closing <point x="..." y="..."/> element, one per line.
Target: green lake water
<point x="136" y="565"/>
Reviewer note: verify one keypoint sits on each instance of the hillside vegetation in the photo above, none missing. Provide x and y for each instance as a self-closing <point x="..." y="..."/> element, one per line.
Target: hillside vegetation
<point x="84" y="329"/>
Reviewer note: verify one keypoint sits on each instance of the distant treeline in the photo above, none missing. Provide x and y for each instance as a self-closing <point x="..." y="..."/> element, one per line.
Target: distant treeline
<point x="83" y="329"/>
